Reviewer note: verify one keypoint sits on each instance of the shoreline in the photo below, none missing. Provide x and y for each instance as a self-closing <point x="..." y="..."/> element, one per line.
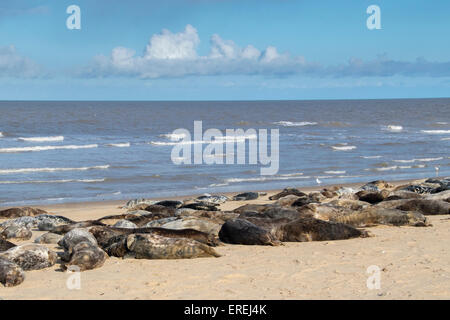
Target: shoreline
<point x="110" y="203"/>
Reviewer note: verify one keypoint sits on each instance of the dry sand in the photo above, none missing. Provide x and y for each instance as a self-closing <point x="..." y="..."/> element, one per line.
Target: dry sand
<point x="414" y="263"/>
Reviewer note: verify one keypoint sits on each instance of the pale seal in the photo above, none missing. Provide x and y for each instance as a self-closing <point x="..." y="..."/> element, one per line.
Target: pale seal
<point x="10" y="273"/>
<point x="85" y="256"/>
<point x="152" y="246"/>
<point x="30" y="256"/>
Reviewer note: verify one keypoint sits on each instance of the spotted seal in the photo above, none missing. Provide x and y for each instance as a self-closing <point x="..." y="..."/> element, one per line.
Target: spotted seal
<point x="85" y="256"/>
<point x="10" y="273"/>
<point x="125" y="224"/>
<point x="424" y="206"/>
<point x="135" y="202"/>
<point x="21" y="212"/>
<point x="16" y="232"/>
<point x="48" y="238"/>
<point x="213" y="199"/>
<point x="174" y="204"/>
<point x="30" y="256"/>
<point x="152" y="246"/>
<point x="376" y="216"/>
<point x="75" y="236"/>
<point x="104" y="233"/>
<point x="83" y="224"/>
<point x="199" y="224"/>
<point x="47" y="222"/>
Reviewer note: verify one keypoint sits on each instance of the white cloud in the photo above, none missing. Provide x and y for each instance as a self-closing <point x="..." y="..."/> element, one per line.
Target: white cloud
<point x="175" y="55"/>
<point x="14" y="65"/>
<point x="168" y="45"/>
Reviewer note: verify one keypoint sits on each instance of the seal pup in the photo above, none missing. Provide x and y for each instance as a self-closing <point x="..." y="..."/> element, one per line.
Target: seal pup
<point x="21" y="212"/>
<point x="287" y="192"/>
<point x="16" y="232"/>
<point x="152" y="246"/>
<point x="30" y="256"/>
<point x="10" y="273"/>
<point x="240" y="231"/>
<point x="85" y="256"/>
<point x="75" y="236"/>
<point x="5" y="245"/>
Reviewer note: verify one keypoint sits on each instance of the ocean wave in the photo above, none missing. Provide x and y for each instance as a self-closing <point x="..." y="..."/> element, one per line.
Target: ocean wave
<point x="419" y="160"/>
<point x="30" y="170"/>
<point x="119" y="145"/>
<point x="343" y="148"/>
<point x="1" y="134"/>
<point x="216" y="140"/>
<point x="392" y="168"/>
<point x="46" y="148"/>
<point x="393" y="128"/>
<point x="295" y="124"/>
<point x="435" y="131"/>
<point x="334" y="172"/>
<point x="271" y="178"/>
<point x="53" y="181"/>
<point x="42" y="139"/>
<point x="371" y="157"/>
<point x="445" y="139"/>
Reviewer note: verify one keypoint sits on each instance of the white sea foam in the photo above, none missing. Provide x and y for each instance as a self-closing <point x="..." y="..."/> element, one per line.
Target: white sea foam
<point x="393" y="128"/>
<point x="343" y="148"/>
<point x="53" y="181"/>
<point x="419" y="160"/>
<point x="435" y="131"/>
<point x="45" y="148"/>
<point x="295" y="124"/>
<point x="371" y="157"/>
<point x="30" y="170"/>
<point x="1" y="134"/>
<point x="119" y="145"/>
<point x="272" y="178"/>
<point x="334" y="172"/>
<point x="445" y="139"/>
<point x="42" y="139"/>
<point x="392" y="168"/>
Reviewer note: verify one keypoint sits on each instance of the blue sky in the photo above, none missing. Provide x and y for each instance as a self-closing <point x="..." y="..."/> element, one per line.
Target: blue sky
<point x="223" y="50"/>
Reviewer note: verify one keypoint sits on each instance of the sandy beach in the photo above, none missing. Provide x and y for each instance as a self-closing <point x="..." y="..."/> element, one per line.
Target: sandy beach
<point x="414" y="264"/>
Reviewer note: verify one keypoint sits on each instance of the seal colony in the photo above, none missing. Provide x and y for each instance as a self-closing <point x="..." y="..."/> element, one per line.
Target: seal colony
<point x="192" y="228"/>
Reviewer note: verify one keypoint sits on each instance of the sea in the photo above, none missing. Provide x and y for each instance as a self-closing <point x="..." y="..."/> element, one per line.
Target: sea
<point x="76" y="151"/>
